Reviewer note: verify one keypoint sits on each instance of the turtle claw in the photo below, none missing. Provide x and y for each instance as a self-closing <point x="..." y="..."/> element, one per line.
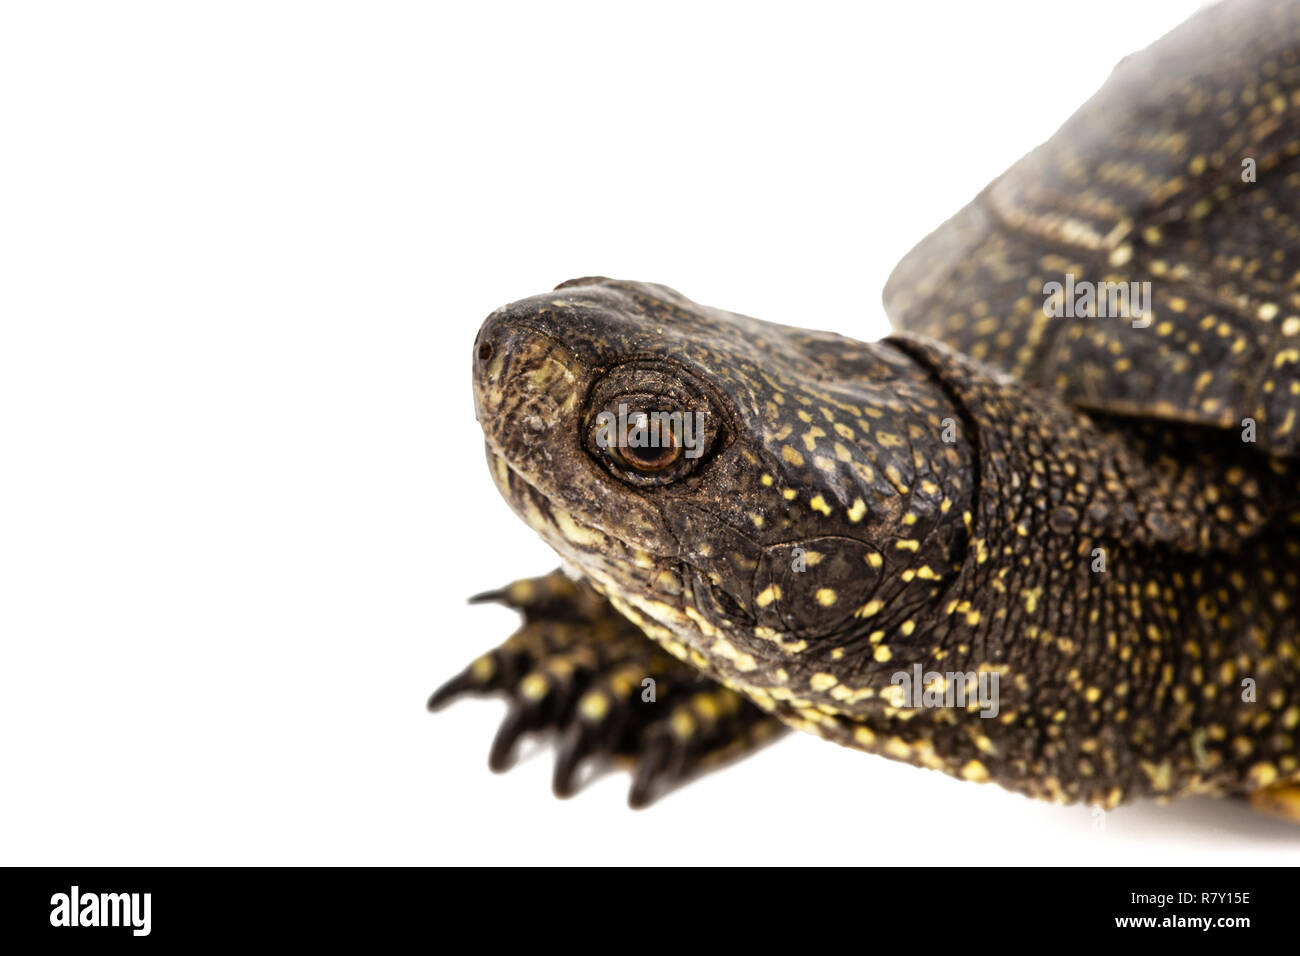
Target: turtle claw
<point x="488" y="672"/>
<point x="518" y="721"/>
<point x="579" y="668"/>
<point x="579" y="743"/>
<point x="463" y="683"/>
<point x="650" y="770"/>
<point x="553" y="596"/>
<point x="711" y="727"/>
<point x="499" y="596"/>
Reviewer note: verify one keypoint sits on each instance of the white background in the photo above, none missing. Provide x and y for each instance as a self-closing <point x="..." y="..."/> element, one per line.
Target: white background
<point x="244" y="249"/>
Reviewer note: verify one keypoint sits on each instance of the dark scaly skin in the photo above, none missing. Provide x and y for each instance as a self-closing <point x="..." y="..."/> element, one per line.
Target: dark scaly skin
<point x="974" y="555"/>
<point x="955" y="512"/>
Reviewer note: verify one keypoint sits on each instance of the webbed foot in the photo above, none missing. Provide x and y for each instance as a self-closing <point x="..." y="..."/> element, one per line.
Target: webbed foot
<point x="578" y="667"/>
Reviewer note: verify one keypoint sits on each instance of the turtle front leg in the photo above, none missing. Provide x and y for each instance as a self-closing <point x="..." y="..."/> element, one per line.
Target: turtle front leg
<point x="578" y="667"/>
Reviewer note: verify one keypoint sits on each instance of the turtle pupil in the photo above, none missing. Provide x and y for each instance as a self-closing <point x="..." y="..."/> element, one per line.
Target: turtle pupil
<point x="661" y="451"/>
<point x="653" y="457"/>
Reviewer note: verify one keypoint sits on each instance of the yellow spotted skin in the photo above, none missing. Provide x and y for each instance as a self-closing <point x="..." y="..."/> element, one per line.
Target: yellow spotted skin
<point x="975" y="555"/>
<point x="1065" y="505"/>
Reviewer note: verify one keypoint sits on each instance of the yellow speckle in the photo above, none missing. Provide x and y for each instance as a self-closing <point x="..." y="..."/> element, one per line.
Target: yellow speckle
<point x="1262" y="774"/>
<point x="896" y="479"/>
<point x="819" y="504"/>
<point x="898" y="747"/>
<point x="575" y="532"/>
<point x="483" y="668"/>
<point x="534" y="686"/>
<point x="882" y="654"/>
<point x="821" y="681"/>
<point x="1160" y="775"/>
<point x="869" y="609"/>
<point x="743" y="661"/>
<point x="975" y="771"/>
<point x="706" y="706"/>
<point x="769" y="594"/>
<point x="826" y="597"/>
<point x="594" y="706"/>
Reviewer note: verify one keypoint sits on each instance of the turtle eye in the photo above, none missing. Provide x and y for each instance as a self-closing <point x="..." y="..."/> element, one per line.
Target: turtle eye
<point x="647" y="446"/>
<point x="658" y="448"/>
<point x="650" y="425"/>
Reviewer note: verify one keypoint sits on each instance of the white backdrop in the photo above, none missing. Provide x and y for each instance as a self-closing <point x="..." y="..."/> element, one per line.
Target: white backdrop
<point x="244" y="250"/>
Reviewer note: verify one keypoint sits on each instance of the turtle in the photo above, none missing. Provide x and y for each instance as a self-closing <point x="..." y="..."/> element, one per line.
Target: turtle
<point x="1046" y="534"/>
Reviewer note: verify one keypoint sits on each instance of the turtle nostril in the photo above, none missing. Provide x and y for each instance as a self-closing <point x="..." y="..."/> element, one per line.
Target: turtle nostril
<point x="485" y="351"/>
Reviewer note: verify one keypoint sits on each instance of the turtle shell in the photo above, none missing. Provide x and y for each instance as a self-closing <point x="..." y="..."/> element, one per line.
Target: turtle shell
<point x="1172" y="198"/>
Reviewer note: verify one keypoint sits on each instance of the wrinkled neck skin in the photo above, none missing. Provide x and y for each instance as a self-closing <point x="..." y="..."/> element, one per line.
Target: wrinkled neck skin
<point x="1085" y="587"/>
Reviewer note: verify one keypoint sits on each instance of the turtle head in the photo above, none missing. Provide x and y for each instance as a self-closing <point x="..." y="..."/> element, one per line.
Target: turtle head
<point x="751" y="494"/>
